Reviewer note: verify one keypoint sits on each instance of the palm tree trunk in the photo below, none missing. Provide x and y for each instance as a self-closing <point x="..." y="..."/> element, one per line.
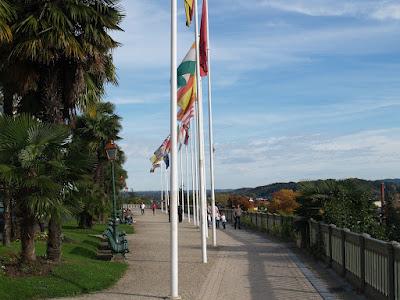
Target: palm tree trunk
<point x="7" y="220"/>
<point x="28" y="253"/>
<point x="15" y="226"/>
<point x="54" y="240"/>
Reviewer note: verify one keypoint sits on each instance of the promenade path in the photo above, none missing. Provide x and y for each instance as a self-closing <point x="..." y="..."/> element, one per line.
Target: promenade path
<point x="245" y="265"/>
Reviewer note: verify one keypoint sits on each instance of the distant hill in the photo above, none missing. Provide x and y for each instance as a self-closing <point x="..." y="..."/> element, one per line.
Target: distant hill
<point x="266" y="191"/>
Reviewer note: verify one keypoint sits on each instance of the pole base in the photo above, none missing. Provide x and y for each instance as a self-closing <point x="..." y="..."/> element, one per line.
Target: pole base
<point x="175" y="298"/>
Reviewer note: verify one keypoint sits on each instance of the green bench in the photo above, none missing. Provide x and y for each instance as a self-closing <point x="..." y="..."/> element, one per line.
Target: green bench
<point x="117" y="246"/>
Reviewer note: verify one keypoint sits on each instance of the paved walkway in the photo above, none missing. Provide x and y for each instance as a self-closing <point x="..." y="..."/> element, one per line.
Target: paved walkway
<point x="245" y="265"/>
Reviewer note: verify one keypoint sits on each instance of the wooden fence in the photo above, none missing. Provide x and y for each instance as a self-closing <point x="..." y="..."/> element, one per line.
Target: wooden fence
<point x="372" y="266"/>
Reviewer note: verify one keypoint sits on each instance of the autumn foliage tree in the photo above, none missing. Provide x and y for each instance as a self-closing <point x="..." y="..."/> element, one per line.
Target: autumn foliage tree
<point x="283" y="201"/>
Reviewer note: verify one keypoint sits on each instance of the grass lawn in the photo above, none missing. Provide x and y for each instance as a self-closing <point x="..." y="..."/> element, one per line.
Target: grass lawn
<point x="80" y="271"/>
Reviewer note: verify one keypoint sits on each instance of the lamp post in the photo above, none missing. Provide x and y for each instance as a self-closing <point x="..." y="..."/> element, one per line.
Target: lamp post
<point x="111" y="151"/>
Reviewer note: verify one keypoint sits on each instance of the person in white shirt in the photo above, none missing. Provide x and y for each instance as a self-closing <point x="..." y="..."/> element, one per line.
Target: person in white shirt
<point x="223" y="220"/>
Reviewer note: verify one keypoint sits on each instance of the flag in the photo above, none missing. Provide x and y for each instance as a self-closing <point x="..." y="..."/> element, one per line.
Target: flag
<point x="187" y="94"/>
<point x="187" y="67"/>
<point x="189" y="8"/>
<point x="203" y="45"/>
<point x="181" y="135"/>
<point x="154" y="167"/>
<point x="186" y="142"/>
<point x="167" y="144"/>
<point x="160" y="152"/>
<point x="166" y="160"/>
<point x="154" y="159"/>
<point x="188" y="115"/>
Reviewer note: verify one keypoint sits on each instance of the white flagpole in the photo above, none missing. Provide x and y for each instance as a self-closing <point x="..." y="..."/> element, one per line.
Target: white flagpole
<point x="182" y="190"/>
<point x="210" y="132"/>
<point x="167" y="180"/>
<point x="187" y="183"/>
<point x="174" y="156"/>
<point x="196" y="166"/>
<point x="201" y="139"/>
<point x="193" y="174"/>
<point x="162" y="188"/>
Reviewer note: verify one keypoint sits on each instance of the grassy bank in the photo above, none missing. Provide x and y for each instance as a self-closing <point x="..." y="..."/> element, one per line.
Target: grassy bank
<point x="79" y="272"/>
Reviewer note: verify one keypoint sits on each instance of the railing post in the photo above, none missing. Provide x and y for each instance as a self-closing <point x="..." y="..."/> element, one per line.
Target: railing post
<point x="390" y="269"/>
<point x="267" y="227"/>
<point x="330" y="245"/>
<point x="343" y="239"/>
<point x="362" y="260"/>
<point x="257" y="219"/>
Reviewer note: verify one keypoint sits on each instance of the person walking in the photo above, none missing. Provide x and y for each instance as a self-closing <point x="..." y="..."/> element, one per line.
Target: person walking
<point x="142" y="207"/>
<point x="223" y="220"/>
<point x="180" y="213"/>
<point x="237" y="213"/>
<point x="154" y="207"/>
<point x="217" y="219"/>
<point x="217" y="216"/>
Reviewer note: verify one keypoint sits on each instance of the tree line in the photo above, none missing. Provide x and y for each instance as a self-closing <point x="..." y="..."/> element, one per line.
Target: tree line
<point x="349" y="203"/>
<point x="55" y="60"/>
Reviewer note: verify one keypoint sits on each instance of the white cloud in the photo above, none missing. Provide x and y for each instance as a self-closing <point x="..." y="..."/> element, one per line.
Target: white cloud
<point x="144" y="99"/>
<point x="340" y="110"/>
<point x="364" y="154"/>
<point x="146" y="39"/>
<point x="391" y="11"/>
<point x="375" y="9"/>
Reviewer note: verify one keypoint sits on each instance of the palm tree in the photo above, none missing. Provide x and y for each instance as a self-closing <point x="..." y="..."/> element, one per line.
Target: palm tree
<point x="63" y="48"/>
<point x="97" y="126"/>
<point x="30" y="154"/>
<point x="7" y="14"/>
<point x="59" y="60"/>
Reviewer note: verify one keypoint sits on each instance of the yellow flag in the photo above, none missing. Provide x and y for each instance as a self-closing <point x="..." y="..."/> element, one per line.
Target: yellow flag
<point x="189" y="7"/>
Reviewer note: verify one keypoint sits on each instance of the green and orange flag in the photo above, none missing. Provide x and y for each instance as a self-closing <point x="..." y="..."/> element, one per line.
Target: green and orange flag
<point x="187" y="81"/>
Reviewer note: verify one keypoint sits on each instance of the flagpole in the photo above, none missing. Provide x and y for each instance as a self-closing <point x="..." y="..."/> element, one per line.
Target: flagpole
<point x="162" y="187"/>
<point x="196" y="167"/>
<point x="201" y="139"/>
<point x="210" y="130"/>
<point x="193" y="175"/>
<point x="182" y="191"/>
<point x="187" y="182"/>
<point x="174" y="155"/>
<point x="166" y="178"/>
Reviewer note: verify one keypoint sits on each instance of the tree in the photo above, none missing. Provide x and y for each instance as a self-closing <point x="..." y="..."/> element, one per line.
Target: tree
<point x="29" y="158"/>
<point x="96" y="127"/>
<point x="7" y="14"/>
<point x="283" y="201"/>
<point x="239" y="200"/>
<point x="60" y="59"/>
<point x="345" y="203"/>
<point x="60" y="56"/>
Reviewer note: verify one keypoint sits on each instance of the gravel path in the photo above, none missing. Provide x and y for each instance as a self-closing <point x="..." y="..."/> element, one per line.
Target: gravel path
<point x="245" y="265"/>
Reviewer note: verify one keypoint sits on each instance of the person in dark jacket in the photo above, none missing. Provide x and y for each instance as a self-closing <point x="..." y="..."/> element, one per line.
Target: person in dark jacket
<point x="237" y="213"/>
<point x="180" y="213"/>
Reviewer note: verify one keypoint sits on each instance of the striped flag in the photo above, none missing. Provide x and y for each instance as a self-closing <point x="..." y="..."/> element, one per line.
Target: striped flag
<point x="189" y="114"/>
<point x="187" y="81"/>
<point x="189" y="8"/>
<point x="187" y="94"/>
<point x="187" y="67"/>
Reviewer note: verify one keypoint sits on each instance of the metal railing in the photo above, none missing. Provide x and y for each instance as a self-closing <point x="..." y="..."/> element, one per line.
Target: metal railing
<point x="372" y="266"/>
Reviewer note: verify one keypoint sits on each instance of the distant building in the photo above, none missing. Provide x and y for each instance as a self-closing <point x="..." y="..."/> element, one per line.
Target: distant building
<point x="261" y="199"/>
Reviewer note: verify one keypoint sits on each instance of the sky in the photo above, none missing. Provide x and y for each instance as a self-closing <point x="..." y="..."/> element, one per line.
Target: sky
<point x="302" y="89"/>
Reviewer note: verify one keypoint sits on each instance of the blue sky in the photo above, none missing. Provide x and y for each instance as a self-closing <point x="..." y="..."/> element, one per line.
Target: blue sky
<point x="302" y="89"/>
